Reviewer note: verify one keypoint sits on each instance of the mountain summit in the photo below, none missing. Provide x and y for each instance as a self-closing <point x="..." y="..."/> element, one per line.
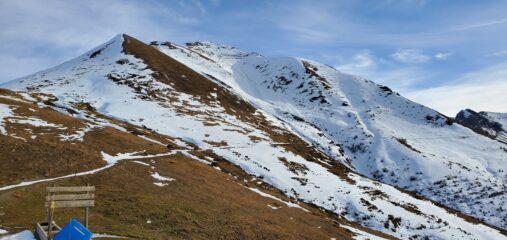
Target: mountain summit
<point x="328" y="147"/>
<point x="489" y="124"/>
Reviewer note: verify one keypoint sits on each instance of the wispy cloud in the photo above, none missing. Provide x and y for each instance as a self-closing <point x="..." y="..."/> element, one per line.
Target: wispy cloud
<point x="489" y="23"/>
<point x="482" y="90"/>
<point x="410" y="56"/>
<point x="383" y="70"/>
<point x="49" y="32"/>
<point x="400" y="43"/>
<point x="497" y="54"/>
<point x="442" y="56"/>
<point x="361" y="63"/>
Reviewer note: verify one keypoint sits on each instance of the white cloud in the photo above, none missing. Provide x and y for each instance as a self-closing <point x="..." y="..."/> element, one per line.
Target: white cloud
<point x="442" y="56"/>
<point x="483" y="90"/>
<point x="497" y="54"/>
<point x="361" y="63"/>
<point x="410" y="56"/>
<point x="481" y="24"/>
<point x="384" y="71"/>
<point x="53" y="31"/>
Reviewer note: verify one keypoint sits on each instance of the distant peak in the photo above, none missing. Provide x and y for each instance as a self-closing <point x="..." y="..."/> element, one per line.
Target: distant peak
<point x="116" y="41"/>
<point x="209" y="44"/>
<point x="466" y="113"/>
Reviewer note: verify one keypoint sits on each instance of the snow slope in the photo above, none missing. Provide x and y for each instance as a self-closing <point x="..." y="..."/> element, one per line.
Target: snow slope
<point x="383" y="135"/>
<point x="124" y="87"/>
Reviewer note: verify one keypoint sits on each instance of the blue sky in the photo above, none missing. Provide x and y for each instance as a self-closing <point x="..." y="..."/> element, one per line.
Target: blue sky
<point x="445" y="54"/>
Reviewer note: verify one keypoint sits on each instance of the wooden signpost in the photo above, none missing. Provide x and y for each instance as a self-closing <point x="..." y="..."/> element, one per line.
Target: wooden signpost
<point x="65" y="197"/>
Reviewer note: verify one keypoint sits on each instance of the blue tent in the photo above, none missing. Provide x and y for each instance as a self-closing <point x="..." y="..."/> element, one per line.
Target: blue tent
<point x="73" y="230"/>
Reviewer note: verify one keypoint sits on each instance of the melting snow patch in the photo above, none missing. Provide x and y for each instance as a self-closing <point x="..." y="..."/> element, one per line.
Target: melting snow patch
<point x="111" y="160"/>
<point x="142" y="163"/>
<point x="161" y="178"/>
<point x="289" y="204"/>
<point x="5" y="111"/>
<point x="361" y="235"/>
<point x="160" y="184"/>
<point x="36" y="122"/>
<point x="77" y="136"/>
<point x="181" y="143"/>
<point x="24" y="235"/>
<point x="193" y="157"/>
<point x="151" y="140"/>
<point x="273" y="207"/>
<point x="15" y="99"/>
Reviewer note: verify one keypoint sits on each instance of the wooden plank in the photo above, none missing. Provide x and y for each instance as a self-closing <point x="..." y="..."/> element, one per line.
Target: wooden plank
<point x="50" y="223"/>
<point x="86" y="196"/>
<point x="70" y="204"/>
<point x="71" y="189"/>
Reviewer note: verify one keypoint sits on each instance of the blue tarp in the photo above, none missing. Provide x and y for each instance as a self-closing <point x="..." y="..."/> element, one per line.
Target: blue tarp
<point x="73" y="230"/>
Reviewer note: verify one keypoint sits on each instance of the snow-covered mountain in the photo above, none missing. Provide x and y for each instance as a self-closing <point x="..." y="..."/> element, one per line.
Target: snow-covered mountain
<point x="366" y="126"/>
<point x="489" y="124"/>
<point x="339" y="142"/>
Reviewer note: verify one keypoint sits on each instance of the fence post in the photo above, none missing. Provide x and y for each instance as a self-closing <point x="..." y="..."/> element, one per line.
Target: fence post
<point x="86" y="211"/>
<point x="50" y="216"/>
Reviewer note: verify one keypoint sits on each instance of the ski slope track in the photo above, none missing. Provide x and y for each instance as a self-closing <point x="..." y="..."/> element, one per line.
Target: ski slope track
<point x="340" y="142"/>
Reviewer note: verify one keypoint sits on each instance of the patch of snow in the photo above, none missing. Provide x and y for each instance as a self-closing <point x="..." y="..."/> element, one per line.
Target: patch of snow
<point x="273" y="207"/>
<point x="24" y="235"/>
<point x="14" y="98"/>
<point x="289" y="204"/>
<point x="181" y="143"/>
<point x="151" y="140"/>
<point x="35" y="122"/>
<point x="5" y="111"/>
<point x="362" y="235"/>
<point x="111" y="160"/>
<point x="157" y="176"/>
<point x="142" y="163"/>
<point x="77" y="136"/>
<point x="160" y="184"/>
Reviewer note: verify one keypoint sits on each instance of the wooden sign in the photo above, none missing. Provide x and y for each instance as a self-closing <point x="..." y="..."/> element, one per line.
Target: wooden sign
<point x="86" y="196"/>
<point x="70" y="189"/>
<point x="70" y="204"/>
<point x="68" y="197"/>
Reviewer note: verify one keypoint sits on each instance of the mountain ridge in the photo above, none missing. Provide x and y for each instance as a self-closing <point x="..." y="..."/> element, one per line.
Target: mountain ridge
<point x="489" y="124"/>
<point x="424" y="116"/>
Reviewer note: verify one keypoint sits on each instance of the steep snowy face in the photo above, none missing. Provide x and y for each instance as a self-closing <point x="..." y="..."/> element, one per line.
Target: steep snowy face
<point x="367" y="127"/>
<point x="294" y="124"/>
<point x="486" y="123"/>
